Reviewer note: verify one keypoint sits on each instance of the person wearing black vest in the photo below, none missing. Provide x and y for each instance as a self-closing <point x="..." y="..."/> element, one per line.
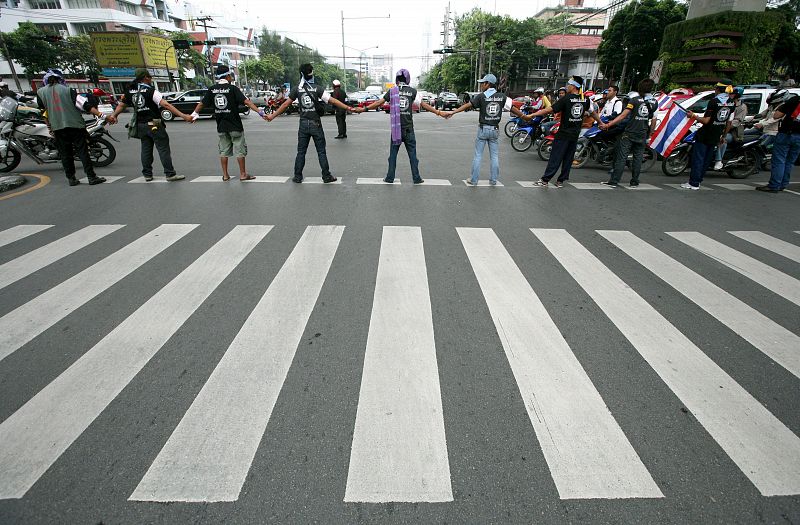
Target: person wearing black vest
<point x="226" y="99"/>
<point x="310" y="99"/>
<point x="490" y="104"/>
<point x="786" y="147"/>
<point x="572" y="106"/>
<point x="147" y="102"/>
<point x="641" y="108"/>
<point x="404" y="97"/>
<point x="341" y="115"/>
<point x="716" y="123"/>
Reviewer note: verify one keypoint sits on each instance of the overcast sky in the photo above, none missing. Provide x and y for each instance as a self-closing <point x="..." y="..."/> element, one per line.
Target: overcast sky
<point x="410" y="34"/>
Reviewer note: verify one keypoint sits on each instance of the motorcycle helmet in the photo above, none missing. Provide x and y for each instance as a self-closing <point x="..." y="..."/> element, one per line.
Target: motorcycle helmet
<point x="738" y="91"/>
<point x="539" y="90"/>
<point x="778" y="97"/>
<point x="53" y="72"/>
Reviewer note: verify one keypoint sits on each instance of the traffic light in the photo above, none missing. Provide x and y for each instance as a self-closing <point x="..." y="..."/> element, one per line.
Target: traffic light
<point x="444" y="51"/>
<point x="186" y="44"/>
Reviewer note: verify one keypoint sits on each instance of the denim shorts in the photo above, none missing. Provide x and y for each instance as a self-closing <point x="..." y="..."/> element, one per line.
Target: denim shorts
<point x="232" y="144"/>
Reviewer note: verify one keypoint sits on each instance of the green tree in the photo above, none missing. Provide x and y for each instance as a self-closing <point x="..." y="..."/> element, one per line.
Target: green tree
<point x="27" y="46"/>
<point x="786" y="55"/>
<point x="268" y="69"/>
<point x="188" y="59"/>
<point x="638" y="27"/>
<point x="76" y="56"/>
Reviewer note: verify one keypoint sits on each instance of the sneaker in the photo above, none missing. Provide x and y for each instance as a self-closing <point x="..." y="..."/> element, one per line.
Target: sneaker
<point x="338" y="137"/>
<point x="387" y="180"/>
<point x="687" y="186"/>
<point x="329" y="179"/>
<point x="74" y="182"/>
<point x="718" y="165"/>
<point x="633" y="184"/>
<point x="148" y="178"/>
<point x="559" y="184"/>
<point x="96" y="180"/>
<point x="768" y="189"/>
<point x="540" y="182"/>
<point x="610" y="184"/>
<point x="176" y="177"/>
<point x="297" y="179"/>
<point x="492" y="182"/>
<point x="419" y="181"/>
<point x="470" y="183"/>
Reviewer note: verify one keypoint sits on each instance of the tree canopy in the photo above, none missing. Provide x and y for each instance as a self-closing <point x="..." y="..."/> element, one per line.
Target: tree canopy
<point x="639" y="27"/>
<point x="786" y="55"/>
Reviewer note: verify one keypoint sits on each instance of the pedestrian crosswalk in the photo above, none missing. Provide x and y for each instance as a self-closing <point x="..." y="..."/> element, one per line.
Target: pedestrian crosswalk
<point x="400" y="448"/>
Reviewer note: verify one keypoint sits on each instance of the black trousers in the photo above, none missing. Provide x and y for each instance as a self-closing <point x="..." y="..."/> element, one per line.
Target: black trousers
<point x="71" y="142"/>
<point x="562" y="155"/>
<point x="310" y="129"/>
<point x="160" y="140"/>
<point x="341" y="122"/>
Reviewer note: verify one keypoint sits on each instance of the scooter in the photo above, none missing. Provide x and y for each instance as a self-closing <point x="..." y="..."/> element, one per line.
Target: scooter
<point x="527" y="134"/>
<point x="740" y="161"/>
<point x="604" y="151"/>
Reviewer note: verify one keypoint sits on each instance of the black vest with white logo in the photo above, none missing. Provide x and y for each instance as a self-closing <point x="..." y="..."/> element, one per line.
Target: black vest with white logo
<point x="140" y="97"/>
<point x="491" y="109"/>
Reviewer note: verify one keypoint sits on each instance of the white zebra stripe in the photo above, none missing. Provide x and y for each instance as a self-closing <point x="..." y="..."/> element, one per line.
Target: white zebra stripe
<point x="20" y="232"/>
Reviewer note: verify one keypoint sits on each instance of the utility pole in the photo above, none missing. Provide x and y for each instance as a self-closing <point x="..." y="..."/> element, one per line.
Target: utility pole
<point x="10" y="63"/>
<point x="446" y="29"/>
<point x="203" y="20"/>
<point x="344" y="65"/>
<point x="482" y="52"/>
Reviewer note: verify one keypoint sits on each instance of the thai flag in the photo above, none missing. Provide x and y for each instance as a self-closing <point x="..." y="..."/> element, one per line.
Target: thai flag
<point x="664" y="102"/>
<point x="671" y="130"/>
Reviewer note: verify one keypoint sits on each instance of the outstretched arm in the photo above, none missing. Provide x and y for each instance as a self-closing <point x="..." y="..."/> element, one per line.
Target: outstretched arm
<point x="463" y="107"/>
<point x="280" y="109"/>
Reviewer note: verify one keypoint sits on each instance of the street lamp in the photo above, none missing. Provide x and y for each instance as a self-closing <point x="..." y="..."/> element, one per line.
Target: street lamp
<point x="361" y="56"/>
<point x="344" y="66"/>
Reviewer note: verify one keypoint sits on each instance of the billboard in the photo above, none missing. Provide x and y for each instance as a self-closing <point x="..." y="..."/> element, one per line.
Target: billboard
<point x="131" y="50"/>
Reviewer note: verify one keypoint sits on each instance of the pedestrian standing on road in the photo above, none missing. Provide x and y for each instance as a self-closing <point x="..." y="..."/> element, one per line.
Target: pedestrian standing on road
<point x="786" y="147"/>
<point x="311" y="98"/>
<point x="572" y="107"/>
<point x="490" y="104"/>
<point x="147" y="102"/>
<point x="716" y="122"/>
<point x="226" y="99"/>
<point x="641" y="109"/>
<point x="401" y="99"/>
<point x="341" y="114"/>
<point x="65" y="121"/>
<point x="737" y="125"/>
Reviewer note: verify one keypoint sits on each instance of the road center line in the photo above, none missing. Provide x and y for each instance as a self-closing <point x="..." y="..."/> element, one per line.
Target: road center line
<point x="36" y="435"/>
<point x="209" y="454"/>
<point x="765" y="450"/>
<point x="586" y="450"/>
<point x="399" y="448"/>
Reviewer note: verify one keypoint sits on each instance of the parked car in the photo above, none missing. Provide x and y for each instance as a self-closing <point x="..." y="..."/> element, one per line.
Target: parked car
<point x="187" y="101"/>
<point x="446" y="100"/>
<point x="414" y="107"/>
<point x="679" y="94"/>
<point x="367" y="100"/>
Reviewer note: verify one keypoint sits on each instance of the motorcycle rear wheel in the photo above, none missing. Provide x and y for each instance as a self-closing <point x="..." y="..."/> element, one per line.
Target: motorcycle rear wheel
<point x="676" y="163"/>
<point x="102" y="152"/>
<point x="582" y="156"/>
<point x="648" y="159"/>
<point x="521" y="140"/>
<point x="511" y="128"/>
<point x="545" y="147"/>
<point x="11" y="160"/>
<point x="747" y="167"/>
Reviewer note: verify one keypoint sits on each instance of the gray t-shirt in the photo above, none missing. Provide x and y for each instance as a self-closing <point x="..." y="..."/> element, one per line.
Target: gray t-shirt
<point x="408" y="97"/>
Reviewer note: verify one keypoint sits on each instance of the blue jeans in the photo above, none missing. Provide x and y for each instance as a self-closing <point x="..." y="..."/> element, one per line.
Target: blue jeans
<point x="486" y="135"/>
<point x="722" y="148"/>
<point x="701" y="156"/>
<point x="310" y="129"/>
<point x="785" y="150"/>
<point x="410" y="141"/>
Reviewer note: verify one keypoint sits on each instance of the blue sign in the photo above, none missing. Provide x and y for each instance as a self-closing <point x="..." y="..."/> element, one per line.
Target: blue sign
<point x="118" y="71"/>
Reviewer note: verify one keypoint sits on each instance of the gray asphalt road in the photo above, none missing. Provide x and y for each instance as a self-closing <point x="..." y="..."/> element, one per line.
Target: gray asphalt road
<point x="713" y="456"/>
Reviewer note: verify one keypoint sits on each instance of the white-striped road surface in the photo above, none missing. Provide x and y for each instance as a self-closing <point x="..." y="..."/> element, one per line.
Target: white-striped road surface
<point x="20" y="232"/>
<point x="773" y="244"/>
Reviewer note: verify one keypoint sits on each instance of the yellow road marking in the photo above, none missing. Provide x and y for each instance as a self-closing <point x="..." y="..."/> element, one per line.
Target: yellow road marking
<point x="44" y="180"/>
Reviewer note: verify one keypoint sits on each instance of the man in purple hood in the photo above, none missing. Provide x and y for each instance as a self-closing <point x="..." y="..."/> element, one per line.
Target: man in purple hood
<point x="402" y="99"/>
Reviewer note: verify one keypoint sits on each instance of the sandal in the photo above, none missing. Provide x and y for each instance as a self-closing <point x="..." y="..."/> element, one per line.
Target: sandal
<point x="249" y="177"/>
<point x="226" y="178"/>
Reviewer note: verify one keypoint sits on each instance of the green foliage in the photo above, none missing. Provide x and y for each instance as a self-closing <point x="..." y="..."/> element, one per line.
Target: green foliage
<point x="786" y="55"/>
<point x="76" y="55"/>
<point x="36" y="56"/>
<point x="636" y="27"/>
<point x="726" y="64"/>
<point x="699" y="42"/>
<point x="268" y="69"/>
<point x="755" y="47"/>
<point x="678" y="68"/>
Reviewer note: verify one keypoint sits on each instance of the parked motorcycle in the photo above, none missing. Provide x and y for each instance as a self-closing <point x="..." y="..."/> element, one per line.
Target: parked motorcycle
<point x="741" y="159"/>
<point x="590" y="147"/>
<point x="546" y="143"/>
<point x="527" y="134"/>
<point x="22" y="130"/>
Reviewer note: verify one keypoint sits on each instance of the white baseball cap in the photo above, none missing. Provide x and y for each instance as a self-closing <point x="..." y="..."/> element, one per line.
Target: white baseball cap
<point x="337" y="83"/>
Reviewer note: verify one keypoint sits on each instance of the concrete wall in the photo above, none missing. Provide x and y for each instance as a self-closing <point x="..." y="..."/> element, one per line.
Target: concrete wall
<point x="698" y="8"/>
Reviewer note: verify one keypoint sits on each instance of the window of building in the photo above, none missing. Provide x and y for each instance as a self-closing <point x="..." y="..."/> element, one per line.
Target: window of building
<point x="125" y="7"/>
<point x="44" y="4"/>
<point x="90" y="28"/>
<point x="546" y="62"/>
<point x="52" y="28"/>
<point x="83" y="4"/>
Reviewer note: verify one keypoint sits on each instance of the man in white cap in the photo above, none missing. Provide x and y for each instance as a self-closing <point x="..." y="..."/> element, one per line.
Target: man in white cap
<point x="490" y="104"/>
<point x="341" y="115"/>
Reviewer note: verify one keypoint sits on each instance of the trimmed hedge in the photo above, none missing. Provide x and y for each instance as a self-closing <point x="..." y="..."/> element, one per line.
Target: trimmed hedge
<point x="760" y="32"/>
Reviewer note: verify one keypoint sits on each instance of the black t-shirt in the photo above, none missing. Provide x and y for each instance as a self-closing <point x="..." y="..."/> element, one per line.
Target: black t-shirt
<point x="225" y="98"/>
<point x="788" y="124"/>
<point x="490" y="109"/>
<point x="572" y="109"/>
<point x="144" y="99"/>
<point x="307" y="97"/>
<point x="642" y="111"/>
<point x="720" y="115"/>
<point x="408" y="97"/>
